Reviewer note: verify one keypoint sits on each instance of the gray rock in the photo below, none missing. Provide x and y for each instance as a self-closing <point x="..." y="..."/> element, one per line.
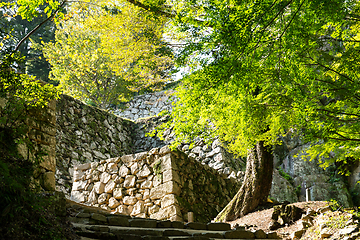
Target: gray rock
<point x="218" y="226"/>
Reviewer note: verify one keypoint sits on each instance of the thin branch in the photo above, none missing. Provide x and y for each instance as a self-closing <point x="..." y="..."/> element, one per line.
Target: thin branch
<point x="343" y="138"/>
<point x="339" y="40"/>
<point x="288" y="25"/>
<point x="38" y="26"/>
<point x="334" y="112"/>
<point x="152" y="9"/>
<point x="272" y="20"/>
<point x="328" y="68"/>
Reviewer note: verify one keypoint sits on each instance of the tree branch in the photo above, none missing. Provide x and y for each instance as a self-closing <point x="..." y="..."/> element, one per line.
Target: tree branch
<point x="153" y="9"/>
<point x="288" y="25"/>
<point x="38" y="26"/>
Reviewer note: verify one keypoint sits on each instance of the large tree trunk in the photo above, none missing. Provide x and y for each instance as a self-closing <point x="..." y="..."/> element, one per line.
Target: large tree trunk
<point x="256" y="186"/>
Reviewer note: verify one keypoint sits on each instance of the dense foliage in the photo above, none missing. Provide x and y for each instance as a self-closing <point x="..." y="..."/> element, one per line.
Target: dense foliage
<point x="263" y="68"/>
<point x="103" y="54"/>
<point x="26" y="212"/>
<point x="13" y="28"/>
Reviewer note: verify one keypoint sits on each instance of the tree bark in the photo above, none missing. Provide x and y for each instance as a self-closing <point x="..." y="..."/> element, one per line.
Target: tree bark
<point x="256" y="186"/>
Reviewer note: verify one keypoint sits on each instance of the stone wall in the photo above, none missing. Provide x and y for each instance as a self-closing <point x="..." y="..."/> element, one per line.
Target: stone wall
<point x="86" y="134"/>
<point x="158" y="184"/>
<point x="42" y="130"/>
<point x="75" y="116"/>
<point x="147" y="105"/>
<point x="214" y="154"/>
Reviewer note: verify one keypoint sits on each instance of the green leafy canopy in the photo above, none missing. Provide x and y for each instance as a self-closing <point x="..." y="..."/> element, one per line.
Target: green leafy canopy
<point x="262" y="68"/>
<point x="105" y="52"/>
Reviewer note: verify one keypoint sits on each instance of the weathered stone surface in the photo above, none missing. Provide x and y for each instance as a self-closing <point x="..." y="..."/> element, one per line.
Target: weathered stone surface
<point x="98" y="217"/>
<point x="177" y="224"/>
<point x="260" y="234"/>
<point x="219" y="226"/>
<point x="167" y="162"/>
<point x="281" y="189"/>
<point x="118" y="221"/>
<point x="144" y="171"/>
<point x="157" y="181"/>
<point x="164" y="224"/>
<point x="118" y="193"/>
<point x="297" y="234"/>
<point x="241" y="234"/>
<point x="129" y="200"/>
<point x="146" y="194"/>
<point x="171" y="175"/>
<point x="112" y="167"/>
<point x="169" y="199"/>
<point x="166" y="213"/>
<point x="135" y="167"/>
<point x="78" y="174"/>
<point x="138" y="208"/>
<point x="78" y="196"/>
<point x="196" y="225"/>
<point x="124" y="171"/>
<point x="101" y="168"/>
<point x="109" y="187"/>
<point x="143" y="223"/>
<point x="273" y="235"/>
<point x="129" y="181"/>
<point x="140" y="156"/>
<point x="105" y="177"/>
<point x="99" y="187"/>
<point x="164" y="150"/>
<point x="146" y="184"/>
<point x="83" y="215"/>
<point x="83" y="166"/>
<point x="48" y="181"/>
<point x="348" y="230"/>
<point x="103" y="198"/>
<point x="79" y="185"/>
<point x="92" y="199"/>
<point x="163" y="189"/>
<point x="113" y="203"/>
<point x="123" y="209"/>
<point x="175" y="232"/>
<point x="139" y="196"/>
<point x="127" y="158"/>
<point x="153" y="209"/>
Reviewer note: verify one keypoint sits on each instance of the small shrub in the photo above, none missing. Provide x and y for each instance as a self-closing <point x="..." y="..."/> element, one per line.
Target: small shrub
<point x="286" y="176"/>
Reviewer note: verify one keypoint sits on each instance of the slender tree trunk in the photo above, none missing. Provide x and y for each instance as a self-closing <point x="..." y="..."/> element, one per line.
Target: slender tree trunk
<point x="256" y="186"/>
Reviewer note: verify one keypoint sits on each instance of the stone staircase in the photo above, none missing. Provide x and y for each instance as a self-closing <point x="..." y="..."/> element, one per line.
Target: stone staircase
<point x="96" y="223"/>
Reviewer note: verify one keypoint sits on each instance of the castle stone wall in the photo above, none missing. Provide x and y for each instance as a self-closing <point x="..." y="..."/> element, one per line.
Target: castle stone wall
<point x="86" y="134"/>
<point x="158" y="184"/>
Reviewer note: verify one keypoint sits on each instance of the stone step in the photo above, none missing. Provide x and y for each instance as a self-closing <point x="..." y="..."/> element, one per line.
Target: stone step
<point x="117" y="232"/>
<point x="96" y="223"/>
<point x="85" y="238"/>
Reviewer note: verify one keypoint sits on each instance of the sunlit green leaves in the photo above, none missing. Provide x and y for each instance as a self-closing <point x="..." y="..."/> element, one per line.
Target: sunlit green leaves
<point x="274" y="66"/>
<point x="105" y="55"/>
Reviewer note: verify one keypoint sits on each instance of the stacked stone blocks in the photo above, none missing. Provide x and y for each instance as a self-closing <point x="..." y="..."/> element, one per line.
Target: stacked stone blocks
<point x="147" y="105"/>
<point x="41" y="132"/>
<point x="86" y="134"/>
<point x="153" y="185"/>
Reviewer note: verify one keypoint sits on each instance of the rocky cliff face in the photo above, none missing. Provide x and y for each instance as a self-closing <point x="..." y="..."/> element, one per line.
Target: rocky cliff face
<point x="322" y="184"/>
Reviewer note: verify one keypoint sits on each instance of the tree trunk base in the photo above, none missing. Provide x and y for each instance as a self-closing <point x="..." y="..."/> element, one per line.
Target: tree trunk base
<point x="256" y="186"/>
